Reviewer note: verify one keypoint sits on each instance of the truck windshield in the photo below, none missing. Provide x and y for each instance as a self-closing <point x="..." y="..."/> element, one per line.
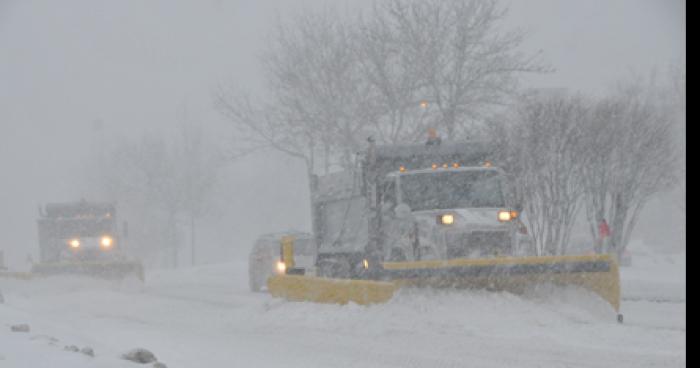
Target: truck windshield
<point x="66" y="228"/>
<point x="452" y="189"/>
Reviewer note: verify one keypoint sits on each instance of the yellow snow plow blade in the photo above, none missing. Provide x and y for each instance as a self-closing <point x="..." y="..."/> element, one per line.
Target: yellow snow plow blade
<point x="327" y="290"/>
<point x="597" y="273"/>
<point x="101" y="269"/>
<point x="15" y="275"/>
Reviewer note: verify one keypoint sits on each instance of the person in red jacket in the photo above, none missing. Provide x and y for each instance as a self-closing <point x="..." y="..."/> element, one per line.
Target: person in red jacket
<point x="603" y="234"/>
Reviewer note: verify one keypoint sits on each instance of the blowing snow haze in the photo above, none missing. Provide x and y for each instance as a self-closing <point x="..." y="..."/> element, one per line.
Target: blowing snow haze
<point x="318" y="183"/>
<point x="77" y="78"/>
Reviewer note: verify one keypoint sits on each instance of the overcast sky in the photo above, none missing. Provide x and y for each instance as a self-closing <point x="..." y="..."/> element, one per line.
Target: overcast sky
<point x="133" y="65"/>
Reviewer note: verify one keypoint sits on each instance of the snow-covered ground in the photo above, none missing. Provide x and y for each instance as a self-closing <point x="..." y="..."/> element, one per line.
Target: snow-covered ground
<point x="206" y="317"/>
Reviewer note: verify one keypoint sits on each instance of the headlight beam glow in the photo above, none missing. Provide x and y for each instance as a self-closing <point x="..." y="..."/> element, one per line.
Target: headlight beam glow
<point x="447" y="219"/>
<point x="74" y="243"/>
<point x="504" y="216"/>
<point x="106" y="241"/>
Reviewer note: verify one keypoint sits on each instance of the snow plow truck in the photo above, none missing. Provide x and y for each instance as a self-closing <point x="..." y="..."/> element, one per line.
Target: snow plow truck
<point x="426" y="215"/>
<point x="82" y="238"/>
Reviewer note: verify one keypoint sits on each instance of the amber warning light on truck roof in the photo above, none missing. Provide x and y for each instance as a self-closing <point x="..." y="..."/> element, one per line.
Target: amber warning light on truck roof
<point x="455" y="165"/>
<point x="504" y="216"/>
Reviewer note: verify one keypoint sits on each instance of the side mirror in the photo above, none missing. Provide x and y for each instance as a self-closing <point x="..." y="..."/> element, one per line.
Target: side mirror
<point x="402" y="211"/>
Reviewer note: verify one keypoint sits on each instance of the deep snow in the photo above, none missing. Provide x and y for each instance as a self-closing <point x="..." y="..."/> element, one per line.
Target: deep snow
<point x="206" y="317"/>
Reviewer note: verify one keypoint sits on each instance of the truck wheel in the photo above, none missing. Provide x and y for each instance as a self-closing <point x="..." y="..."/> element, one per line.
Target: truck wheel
<point x="254" y="283"/>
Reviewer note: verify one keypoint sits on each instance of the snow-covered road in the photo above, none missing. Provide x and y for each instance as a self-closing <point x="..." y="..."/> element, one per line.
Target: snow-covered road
<point x="206" y="317"/>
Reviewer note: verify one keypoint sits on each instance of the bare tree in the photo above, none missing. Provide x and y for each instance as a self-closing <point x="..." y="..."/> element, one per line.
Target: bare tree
<point x="677" y="88"/>
<point x="197" y="170"/>
<point x="160" y="183"/>
<point x="630" y="158"/>
<point x="391" y="62"/>
<point x="140" y="179"/>
<point x="464" y="61"/>
<point x="261" y="125"/>
<point x="333" y="80"/>
<point x="675" y="91"/>
<point x="319" y="101"/>
<point x="543" y="154"/>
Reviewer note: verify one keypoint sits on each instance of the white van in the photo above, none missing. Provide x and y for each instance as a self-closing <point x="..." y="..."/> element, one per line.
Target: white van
<point x="265" y="261"/>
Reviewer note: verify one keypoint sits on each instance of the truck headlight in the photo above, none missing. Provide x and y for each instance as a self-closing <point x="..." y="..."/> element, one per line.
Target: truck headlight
<point x="106" y="241"/>
<point x="281" y="267"/>
<point x="447" y="219"/>
<point x="74" y="243"/>
<point x="505" y="216"/>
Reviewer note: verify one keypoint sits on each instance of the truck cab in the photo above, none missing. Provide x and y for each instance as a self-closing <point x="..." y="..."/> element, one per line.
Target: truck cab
<point x="414" y="202"/>
<point x="448" y="212"/>
<point x="78" y="231"/>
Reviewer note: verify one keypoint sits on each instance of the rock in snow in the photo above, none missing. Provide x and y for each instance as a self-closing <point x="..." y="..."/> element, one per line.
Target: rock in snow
<point x="20" y="328"/>
<point x="159" y="365"/>
<point x="72" y="348"/>
<point x="139" y="356"/>
<point x="49" y="339"/>
<point x="88" y="351"/>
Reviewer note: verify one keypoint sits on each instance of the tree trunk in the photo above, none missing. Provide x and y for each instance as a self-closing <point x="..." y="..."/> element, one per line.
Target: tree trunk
<point x="192" y="239"/>
<point x="171" y="240"/>
<point x="618" y="225"/>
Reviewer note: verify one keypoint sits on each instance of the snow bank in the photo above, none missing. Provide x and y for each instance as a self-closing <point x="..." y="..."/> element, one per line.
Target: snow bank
<point x="205" y="316"/>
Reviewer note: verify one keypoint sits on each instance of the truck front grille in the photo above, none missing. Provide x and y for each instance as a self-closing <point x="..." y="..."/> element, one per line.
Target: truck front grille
<point x="480" y="243"/>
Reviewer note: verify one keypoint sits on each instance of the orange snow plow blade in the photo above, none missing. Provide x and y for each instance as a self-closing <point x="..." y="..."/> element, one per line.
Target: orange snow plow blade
<point x="15" y="275"/>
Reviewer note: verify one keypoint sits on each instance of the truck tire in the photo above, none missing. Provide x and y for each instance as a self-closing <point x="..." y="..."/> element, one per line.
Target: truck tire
<point x="254" y="283"/>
